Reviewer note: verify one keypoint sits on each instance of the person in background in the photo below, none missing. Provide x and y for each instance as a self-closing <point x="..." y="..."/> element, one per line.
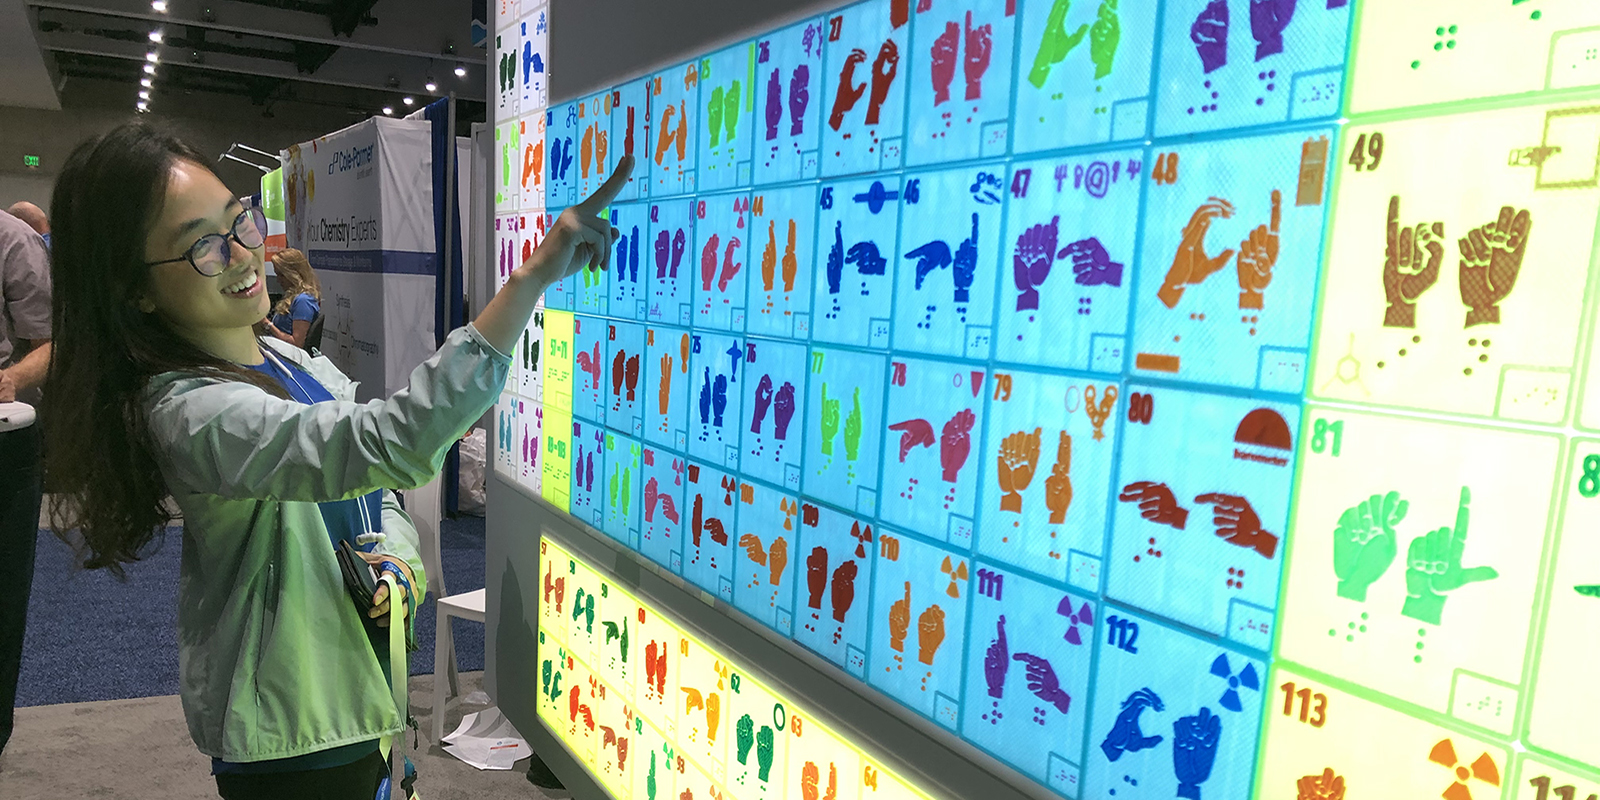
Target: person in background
<point x="160" y="387"/>
<point x="24" y="357"/>
<point x="302" y="298"/>
<point x="34" y="216"/>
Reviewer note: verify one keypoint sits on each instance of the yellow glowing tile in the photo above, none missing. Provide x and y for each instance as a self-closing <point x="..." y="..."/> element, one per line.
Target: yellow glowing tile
<point x="1381" y="502"/>
<point x="558" y="334"/>
<point x="582" y="614"/>
<point x="1331" y="744"/>
<point x="655" y="771"/>
<point x="820" y="764"/>
<point x="878" y="783"/>
<point x="1422" y="52"/>
<point x="1589" y="401"/>
<point x="572" y="715"/>
<point x="1565" y="692"/>
<point x="1539" y="779"/>
<point x="614" y="740"/>
<point x="555" y="590"/>
<point x="758" y="742"/>
<point x="617" y="655"/>
<point x="1518" y="189"/>
<point x="702" y="705"/>
<point x="655" y="691"/>
<point x="556" y="471"/>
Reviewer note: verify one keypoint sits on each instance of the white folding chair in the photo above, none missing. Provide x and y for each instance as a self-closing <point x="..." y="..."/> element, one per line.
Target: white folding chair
<point x="425" y="505"/>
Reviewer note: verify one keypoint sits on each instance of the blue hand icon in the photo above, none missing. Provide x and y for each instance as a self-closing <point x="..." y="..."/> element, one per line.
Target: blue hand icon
<point x="1125" y="736"/>
<point x="1194" y="750"/>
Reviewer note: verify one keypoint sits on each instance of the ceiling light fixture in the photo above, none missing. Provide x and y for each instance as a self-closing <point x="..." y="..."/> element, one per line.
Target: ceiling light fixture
<point x="155" y="36"/>
<point x="152" y="57"/>
<point x="144" y="95"/>
<point x="143" y="106"/>
<point x="431" y="85"/>
<point x="408" y="101"/>
<point x="461" y="72"/>
<point x="388" y="111"/>
<point x="146" y="82"/>
<point x="158" y="6"/>
<point x="149" y="69"/>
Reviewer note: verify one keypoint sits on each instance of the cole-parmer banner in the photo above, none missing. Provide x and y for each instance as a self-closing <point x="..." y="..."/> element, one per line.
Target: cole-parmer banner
<point x="360" y="204"/>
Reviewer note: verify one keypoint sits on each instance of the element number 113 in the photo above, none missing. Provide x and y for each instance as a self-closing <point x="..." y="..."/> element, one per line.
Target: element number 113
<point x="1313" y="716"/>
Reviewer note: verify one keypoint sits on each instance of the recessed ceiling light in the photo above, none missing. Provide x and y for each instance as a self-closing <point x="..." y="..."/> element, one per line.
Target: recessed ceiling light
<point x="155" y="36"/>
<point x="408" y="101"/>
<point x="431" y="85"/>
<point x="388" y="111"/>
<point x="152" y="57"/>
<point x="149" y="69"/>
<point x="143" y="106"/>
<point x="146" y="82"/>
<point x="158" y="6"/>
<point x="144" y="95"/>
<point x="461" y="72"/>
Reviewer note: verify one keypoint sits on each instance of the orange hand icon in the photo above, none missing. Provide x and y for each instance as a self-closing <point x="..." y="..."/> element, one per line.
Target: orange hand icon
<point x="769" y="257"/>
<point x="930" y="633"/>
<point x="664" y="397"/>
<point x="900" y="621"/>
<point x="1058" y="487"/>
<point x="1191" y="265"/>
<point x="1019" y="455"/>
<point x="777" y="559"/>
<point x="1257" y="256"/>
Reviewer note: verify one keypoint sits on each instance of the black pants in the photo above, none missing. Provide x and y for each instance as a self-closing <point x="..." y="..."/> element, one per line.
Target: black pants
<point x="19" y="530"/>
<point x="357" y="781"/>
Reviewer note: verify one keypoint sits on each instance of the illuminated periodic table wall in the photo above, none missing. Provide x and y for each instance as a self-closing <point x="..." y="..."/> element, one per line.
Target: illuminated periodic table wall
<point x="1169" y="399"/>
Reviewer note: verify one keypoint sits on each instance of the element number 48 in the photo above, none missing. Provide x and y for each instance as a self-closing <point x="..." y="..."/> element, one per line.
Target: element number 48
<point x="1314" y="716"/>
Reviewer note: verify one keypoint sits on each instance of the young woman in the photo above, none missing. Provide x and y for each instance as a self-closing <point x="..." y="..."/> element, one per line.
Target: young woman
<point x="161" y="388"/>
<point x="302" y="298"/>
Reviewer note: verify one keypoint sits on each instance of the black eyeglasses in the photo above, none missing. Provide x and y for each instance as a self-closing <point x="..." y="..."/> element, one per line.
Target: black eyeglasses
<point x="211" y="253"/>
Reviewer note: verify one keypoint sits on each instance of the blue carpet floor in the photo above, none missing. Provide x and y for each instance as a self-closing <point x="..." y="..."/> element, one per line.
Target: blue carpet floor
<point x="91" y="637"/>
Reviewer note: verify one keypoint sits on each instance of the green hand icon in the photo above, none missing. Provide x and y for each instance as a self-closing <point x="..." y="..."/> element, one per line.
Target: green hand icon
<point x="1055" y="44"/>
<point x="830" y="421"/>
<point x="627" y="476"/>
<point x="1433" y="566"/>
<point x="747" y="738"/>
<point x="1364" y="544"/>
<point x="650" y="780"/>
<point x="852" y="429"/>
<point x="614" y="477"/>
<point x="1103" y="38"/>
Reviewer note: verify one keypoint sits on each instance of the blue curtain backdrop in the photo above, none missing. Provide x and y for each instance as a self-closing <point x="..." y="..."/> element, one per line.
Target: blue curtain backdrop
<point x="449" y="313"/>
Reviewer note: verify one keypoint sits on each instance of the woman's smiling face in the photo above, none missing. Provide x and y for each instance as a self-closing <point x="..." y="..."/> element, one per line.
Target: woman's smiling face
<point x="201" y="308"/>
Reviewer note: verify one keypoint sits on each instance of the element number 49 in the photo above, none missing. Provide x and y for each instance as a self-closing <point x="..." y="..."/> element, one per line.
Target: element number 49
<point x="1314" y="716"/>
<point x="1367" y="147"/>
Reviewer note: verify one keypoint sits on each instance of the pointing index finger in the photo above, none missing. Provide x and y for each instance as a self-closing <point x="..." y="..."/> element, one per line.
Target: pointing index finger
<point x="609" y="190"/>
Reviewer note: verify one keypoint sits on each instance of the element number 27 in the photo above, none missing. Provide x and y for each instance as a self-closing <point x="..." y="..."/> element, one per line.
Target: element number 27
<point x="1319" y="435"/>
<point x="1314" y="717"/>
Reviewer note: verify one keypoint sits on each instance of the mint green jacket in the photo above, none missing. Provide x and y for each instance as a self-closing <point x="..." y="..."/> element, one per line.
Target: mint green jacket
<point x="273" y="659"/>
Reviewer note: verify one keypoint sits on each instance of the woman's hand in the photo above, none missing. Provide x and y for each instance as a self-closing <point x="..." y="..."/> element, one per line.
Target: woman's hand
<point x="380" y="598"/>
<point x="580" y="237"/>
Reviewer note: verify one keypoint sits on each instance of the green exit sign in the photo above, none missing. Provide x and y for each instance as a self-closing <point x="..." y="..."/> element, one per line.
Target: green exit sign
<point x="30" y="161"/>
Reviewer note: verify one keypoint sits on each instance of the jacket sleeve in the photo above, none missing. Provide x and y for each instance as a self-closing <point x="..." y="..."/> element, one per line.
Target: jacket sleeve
<point x="232" y="440"/>
<point x="400" y="540"/>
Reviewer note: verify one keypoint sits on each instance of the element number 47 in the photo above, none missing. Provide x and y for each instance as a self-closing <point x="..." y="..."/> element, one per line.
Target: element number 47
<point x="1314" y="716"/>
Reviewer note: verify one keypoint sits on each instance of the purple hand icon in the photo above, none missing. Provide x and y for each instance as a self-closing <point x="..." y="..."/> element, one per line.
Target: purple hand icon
<point x="1031" y="262"/>
<point x="996" y="660"/>
<point x="783" y="411"/>
<point x="1268" y="20"/>
<point x="799" y="98"/>
<point x="1091" y="264"/>
<point x="1210" y="35"/>
<point x="774" y="111"/>
<point x="763" y="401"/>
<point x="662" y="243"/>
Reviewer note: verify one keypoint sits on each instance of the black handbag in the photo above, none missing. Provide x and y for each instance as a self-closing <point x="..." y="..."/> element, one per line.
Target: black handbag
<point x="359" y="577"/>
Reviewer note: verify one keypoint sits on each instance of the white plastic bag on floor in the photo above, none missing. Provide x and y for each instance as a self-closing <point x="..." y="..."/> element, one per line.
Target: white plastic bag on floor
<point x="473" y="493"/>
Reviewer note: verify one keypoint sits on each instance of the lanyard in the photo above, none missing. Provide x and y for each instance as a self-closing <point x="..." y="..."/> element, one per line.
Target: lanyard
<point x="287" y="372"/>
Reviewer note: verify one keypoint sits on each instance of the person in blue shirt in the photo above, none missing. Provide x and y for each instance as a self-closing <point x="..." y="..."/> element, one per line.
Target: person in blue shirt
<point x="161" y="389"/>
<point x="302" y="298"/>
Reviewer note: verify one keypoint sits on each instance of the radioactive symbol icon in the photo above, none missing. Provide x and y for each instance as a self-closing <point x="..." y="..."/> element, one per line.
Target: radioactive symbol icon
<point x="1483" y="769"/>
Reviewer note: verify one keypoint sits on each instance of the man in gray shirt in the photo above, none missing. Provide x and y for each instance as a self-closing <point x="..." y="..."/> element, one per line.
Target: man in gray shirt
<point x="24" y="356"/>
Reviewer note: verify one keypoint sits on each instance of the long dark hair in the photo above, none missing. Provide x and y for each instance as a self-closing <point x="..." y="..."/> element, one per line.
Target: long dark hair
<point x="99" y="454"/>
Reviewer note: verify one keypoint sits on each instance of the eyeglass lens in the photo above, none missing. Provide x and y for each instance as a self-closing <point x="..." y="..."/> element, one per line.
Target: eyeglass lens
<point x="212" y="253"/>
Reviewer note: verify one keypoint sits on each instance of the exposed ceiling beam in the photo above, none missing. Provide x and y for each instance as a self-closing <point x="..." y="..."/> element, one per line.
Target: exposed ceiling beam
<point x="169" y="19"/>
